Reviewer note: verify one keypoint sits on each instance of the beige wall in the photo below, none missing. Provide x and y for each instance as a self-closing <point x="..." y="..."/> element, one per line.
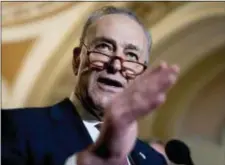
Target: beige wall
<point x="38" y="38"/>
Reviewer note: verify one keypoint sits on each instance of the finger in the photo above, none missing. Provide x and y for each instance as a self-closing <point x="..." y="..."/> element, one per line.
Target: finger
<point x="172" y="78"/>
<point x="161" y="98"/>
<point x="157" y="81"/>
<point x="173" y="74"/>
<point x="160" y="80"/>
<point x="163" y="65"/>
<point x="175" y="68"/>
<point x="153" y="103"/>
<point x="165" y="80"/>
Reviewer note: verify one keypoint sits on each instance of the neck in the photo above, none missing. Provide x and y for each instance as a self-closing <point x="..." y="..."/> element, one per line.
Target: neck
<point x="89" y="106"/>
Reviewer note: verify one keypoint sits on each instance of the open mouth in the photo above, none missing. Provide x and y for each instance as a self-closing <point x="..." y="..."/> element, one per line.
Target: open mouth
<point x="110" y="82"/>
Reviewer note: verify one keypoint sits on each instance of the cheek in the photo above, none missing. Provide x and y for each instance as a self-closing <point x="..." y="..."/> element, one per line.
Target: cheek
<point x="92" y="81"/>
<point x="85" y="81"/>
<point x="129" y="82"/>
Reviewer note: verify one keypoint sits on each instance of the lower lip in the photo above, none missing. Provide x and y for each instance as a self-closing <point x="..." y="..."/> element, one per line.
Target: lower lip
<point x="109" y="88"/>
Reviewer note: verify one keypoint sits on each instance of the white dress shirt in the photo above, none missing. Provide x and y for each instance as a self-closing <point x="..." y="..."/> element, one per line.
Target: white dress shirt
<point x="89" y="122"/>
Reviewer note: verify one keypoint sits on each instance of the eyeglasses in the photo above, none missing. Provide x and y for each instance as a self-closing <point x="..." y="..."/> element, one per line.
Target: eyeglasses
<point x="99" y="60"/>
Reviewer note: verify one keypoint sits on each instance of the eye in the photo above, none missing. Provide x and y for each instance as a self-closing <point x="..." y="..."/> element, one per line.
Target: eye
<point x="103" y="47"/>
<point x="132" y="56"/>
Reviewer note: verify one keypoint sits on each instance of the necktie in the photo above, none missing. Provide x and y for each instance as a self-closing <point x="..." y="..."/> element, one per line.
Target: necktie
<point x="98" y="126"/>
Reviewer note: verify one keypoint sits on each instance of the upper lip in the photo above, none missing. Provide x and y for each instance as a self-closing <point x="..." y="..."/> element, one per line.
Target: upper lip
<point x="110" y="81"/>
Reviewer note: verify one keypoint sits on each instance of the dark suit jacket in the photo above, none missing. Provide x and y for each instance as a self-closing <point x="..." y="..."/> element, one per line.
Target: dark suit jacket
<point x="49" y="135"/>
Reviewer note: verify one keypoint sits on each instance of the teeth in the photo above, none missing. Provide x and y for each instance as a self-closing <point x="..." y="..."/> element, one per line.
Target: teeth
<point x="110" y="82"/>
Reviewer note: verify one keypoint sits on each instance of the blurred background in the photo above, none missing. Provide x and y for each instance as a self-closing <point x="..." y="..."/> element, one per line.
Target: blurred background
<point x="37" y="43"/>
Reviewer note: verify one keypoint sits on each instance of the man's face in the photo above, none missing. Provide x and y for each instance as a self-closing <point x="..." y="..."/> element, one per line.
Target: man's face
<point x="114" y="35"/>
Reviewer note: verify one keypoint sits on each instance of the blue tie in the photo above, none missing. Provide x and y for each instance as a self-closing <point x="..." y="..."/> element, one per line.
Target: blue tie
<point x="98" y="126"/>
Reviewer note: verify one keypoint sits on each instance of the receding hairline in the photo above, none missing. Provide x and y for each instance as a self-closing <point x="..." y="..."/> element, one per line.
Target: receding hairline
<point x="110" y="10"/>
<point x="95" y="23"/>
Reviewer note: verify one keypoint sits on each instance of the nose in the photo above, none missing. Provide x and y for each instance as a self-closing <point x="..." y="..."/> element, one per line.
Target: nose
<point x="114" y="65"/>
<point x="117" y="64"/>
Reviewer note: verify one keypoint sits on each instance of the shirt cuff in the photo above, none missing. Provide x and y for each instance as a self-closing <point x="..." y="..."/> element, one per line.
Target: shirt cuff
<point x="72" y="160"/>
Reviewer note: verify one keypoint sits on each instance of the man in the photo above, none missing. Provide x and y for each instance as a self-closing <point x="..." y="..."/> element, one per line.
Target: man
<point x="113" y="89"/>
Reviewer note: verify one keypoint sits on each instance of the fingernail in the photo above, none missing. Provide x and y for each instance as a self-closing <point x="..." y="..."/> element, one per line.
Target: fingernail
<point x="176" y="68"/>
<point x="172" y="78"/>
<point x="163" y="65"/>
<point x="161" y="97"/>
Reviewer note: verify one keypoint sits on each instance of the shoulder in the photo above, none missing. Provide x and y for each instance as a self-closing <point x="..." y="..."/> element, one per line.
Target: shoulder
<point x="23" y="114"/>
<point x="33" y="118"/>
<point x="30" y="114"/>
<point x="22" y="117"/>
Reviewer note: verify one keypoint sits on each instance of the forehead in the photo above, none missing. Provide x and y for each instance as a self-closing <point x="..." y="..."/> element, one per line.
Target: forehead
<point x="121" y="28"/>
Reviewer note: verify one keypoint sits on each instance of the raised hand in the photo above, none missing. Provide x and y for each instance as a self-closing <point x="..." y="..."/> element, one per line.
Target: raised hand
<point x="146" y="93"/>
<point x="119" y="131"/>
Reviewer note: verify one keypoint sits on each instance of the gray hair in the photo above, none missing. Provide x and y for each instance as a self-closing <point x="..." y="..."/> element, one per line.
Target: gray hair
<point x="107" y="10"/>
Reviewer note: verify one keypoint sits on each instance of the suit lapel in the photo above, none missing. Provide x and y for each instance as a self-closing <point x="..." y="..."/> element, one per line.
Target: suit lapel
<point x="71" y="136"/>
<point x="70" y="132"/>
<point x="143" y="154"/>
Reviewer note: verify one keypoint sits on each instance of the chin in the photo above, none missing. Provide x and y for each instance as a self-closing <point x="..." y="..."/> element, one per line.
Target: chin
<point x="100" y="98"/>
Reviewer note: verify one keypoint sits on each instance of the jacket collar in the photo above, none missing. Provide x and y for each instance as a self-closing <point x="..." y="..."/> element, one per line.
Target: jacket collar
<point x="62" y="110"/>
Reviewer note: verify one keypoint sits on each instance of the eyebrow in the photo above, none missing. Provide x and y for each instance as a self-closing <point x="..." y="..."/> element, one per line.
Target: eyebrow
<point x="133" y="47"/>
<point x="103" y="39"/>
<point x="113" y="42"/>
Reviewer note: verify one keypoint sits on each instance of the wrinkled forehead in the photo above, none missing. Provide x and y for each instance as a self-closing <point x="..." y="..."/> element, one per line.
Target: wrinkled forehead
<point x="120" y="28"/>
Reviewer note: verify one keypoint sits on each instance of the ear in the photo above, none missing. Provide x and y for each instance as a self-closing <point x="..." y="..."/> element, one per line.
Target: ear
<point x="76" y="59"/>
